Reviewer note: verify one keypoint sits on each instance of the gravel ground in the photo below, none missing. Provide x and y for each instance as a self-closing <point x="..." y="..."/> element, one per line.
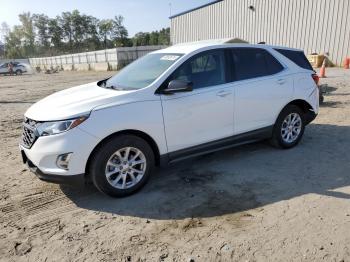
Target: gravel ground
<point x="250" y="203"/>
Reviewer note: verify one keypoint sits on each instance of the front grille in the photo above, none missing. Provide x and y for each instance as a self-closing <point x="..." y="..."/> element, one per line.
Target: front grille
<point x="29" y="133"/>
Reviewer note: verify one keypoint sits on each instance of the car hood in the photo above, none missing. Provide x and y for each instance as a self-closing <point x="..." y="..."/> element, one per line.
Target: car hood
<point x="73" y="102"/>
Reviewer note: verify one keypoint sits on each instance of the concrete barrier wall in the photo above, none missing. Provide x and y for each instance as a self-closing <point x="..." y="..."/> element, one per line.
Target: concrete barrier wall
<point x="64" y="67"/>
<point x="102" y="60"/>
<point x="82" y="67"/>
<point x="99" y="66"/>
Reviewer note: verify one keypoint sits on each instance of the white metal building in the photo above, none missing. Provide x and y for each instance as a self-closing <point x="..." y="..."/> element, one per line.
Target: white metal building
<point x="320" y="26"/>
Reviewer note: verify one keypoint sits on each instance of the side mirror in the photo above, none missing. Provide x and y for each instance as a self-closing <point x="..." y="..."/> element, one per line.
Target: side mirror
<point x="176" y="86"/>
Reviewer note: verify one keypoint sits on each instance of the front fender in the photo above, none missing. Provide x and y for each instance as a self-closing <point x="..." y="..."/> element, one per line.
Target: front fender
<point x="144" y="116"/>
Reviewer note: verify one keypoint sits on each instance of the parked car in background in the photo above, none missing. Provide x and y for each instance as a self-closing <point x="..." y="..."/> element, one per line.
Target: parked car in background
<point x="18" y="68"/>
<point x="169" y="105"/>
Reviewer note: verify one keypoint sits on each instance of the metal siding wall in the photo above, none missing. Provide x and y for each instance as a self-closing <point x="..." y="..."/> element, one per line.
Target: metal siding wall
<point x="322" y="36"/>
<point x="346" y="32"/>
<point x="312" y="25"/>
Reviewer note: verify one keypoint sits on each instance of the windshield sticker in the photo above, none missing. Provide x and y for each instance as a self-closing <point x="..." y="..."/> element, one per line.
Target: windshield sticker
<point x="170" y="57"/>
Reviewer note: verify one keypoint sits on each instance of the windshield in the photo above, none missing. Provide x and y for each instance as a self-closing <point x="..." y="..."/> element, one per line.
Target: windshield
<point x="142" y="72"/>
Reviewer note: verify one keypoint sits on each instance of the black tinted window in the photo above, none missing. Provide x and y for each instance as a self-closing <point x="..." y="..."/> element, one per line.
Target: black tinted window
<point x="206" y="69"/>
<point x="254" y="62"/>
<point x="273" y="65"/>
<point x="297" y="57"/>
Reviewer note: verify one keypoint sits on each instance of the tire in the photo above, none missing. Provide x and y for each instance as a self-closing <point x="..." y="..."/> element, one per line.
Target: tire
<point x="110" y="159"/>
<point x="281" y="138"/>
<point x="18" y="72"/>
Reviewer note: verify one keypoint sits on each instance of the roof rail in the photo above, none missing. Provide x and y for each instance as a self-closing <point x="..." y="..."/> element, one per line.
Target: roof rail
<point x="235" y="40"/>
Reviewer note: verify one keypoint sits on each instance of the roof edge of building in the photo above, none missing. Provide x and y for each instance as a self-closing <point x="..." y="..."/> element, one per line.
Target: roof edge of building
<point x="195" y="8"/>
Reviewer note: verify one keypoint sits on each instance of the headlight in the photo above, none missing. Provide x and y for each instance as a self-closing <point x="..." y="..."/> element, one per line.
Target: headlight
<point x="56" y="127"/>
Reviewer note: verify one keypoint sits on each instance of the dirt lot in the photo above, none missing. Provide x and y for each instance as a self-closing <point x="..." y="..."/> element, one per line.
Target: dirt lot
<point x="252" y="203"/>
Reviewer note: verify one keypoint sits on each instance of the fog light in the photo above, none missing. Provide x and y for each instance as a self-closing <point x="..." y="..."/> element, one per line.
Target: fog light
<point x="63" y="160"/>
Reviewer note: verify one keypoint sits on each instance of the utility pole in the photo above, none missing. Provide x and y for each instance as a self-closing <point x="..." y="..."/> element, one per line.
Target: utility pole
<point x="170" y="9"/>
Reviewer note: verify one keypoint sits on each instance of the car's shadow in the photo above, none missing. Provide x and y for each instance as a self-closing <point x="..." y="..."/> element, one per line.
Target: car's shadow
<point x="236" y="179"/>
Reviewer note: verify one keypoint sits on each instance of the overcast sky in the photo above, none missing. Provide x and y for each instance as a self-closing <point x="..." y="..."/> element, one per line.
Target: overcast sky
<point x="140" y="15"/>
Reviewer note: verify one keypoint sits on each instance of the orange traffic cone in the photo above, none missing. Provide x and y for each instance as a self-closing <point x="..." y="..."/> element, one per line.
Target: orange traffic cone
<point x="323" y="69"/>
<point x="346" y="63"/>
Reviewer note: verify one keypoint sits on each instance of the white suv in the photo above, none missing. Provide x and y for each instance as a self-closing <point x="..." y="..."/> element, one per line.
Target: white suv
<point x="18" y="68"/>
<point x="171" y="104"/>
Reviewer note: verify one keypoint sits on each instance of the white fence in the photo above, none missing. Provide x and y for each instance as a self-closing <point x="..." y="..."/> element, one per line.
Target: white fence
<point x="108" y="59"/>
<point x="24" y="61"/>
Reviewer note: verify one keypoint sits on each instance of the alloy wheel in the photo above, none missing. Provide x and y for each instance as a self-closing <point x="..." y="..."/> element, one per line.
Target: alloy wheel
<point x="125" y="168"/>
<point x="291" y="128"/>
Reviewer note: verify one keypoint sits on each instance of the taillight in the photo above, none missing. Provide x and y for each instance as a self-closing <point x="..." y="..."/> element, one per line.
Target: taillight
<point x="316" y="78"/>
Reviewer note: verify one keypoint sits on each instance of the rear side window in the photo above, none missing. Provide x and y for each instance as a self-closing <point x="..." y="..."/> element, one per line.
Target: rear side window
<point x="204" y="69"/>
<point x="254" y="62"/>
<point x="297" y="57"/>
<point x="272" y="64"/>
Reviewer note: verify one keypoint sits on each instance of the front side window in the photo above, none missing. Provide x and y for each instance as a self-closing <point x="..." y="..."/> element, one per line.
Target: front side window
<point x="254" y="62"/>
<point x="204" y="69"/>
<point x="142" y="72"/>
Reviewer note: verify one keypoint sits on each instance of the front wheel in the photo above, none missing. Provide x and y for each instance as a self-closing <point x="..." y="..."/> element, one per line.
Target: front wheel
<point x="289" y="127"/>
<point x="18" y="72"/>
<point x="122" y="165"/>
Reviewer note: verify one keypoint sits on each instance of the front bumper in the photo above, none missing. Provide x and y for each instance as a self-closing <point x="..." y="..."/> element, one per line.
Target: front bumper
<point x="42" y="156"/>
<point x="57" y="179"/>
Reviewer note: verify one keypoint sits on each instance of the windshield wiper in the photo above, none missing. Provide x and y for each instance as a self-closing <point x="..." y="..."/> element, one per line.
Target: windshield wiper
<point x="103" y="83"/>
<point x="114" y="87"/>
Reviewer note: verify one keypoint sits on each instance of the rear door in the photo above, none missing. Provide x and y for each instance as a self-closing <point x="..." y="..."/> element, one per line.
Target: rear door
<point x="262" y="88"/>
<point x="206" y="113"/>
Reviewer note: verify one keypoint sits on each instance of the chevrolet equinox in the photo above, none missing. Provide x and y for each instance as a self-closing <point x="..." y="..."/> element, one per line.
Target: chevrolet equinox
<point x="171" y="104"/>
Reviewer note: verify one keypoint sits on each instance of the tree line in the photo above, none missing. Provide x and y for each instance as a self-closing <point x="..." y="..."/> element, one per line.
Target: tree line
<point x="71" y="32"/>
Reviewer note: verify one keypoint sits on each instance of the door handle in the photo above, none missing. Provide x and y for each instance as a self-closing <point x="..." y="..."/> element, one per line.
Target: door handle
<point x="281" y="81"/>
<point x="223" y="93"/>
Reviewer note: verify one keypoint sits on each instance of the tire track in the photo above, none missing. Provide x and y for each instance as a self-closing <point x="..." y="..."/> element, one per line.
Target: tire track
<point x="37" y="204"/>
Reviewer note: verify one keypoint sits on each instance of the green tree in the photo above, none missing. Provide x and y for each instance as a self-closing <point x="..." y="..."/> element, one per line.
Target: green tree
<point x="4" y="31"/>
<point x="120" y="34"/>
<point x="92" y="42"/>
<point x="71" y="32"/>
<point x="55" y="33"/>
<point x="105" y="28"/>
<point x="78" y="26"/>
<point x="41" y="23"/>
<point x="141" y="39"/>
<point x="164" y="36"/>
<point x="161" y="37"/>
<point x="65" y="22"/>
<point x="28" y="33"/>
<point x="13" y="42"/>
<point x="153" y="39"/>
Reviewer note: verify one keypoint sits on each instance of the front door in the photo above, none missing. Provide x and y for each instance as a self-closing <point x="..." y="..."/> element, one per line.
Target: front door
<point x="206" y="113"/>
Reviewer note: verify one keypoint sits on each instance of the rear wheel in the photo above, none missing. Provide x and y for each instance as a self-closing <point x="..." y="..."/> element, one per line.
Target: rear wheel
<point x="289" y="127"/>
<point x="18" y="72"/>
<point x="122" y="165"/>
